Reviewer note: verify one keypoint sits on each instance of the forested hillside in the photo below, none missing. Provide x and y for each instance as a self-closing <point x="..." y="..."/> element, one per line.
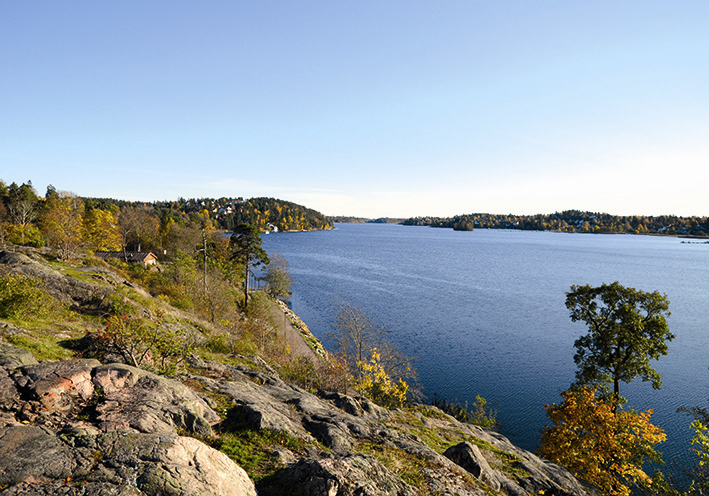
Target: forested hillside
<point x="265" y="213"/>
<point x="572" y="221"/>
<point x="63" y="220"/>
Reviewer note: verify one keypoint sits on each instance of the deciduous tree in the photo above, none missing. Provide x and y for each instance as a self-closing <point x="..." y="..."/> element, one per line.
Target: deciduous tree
<point x="101" y="230"/>
<point x="278" y="277"/>
<point x="22" y="214"/>
<point x="62" y="224"/>
<point x="627" y="328"/>
<point x="3" y="224"/>
<point x="377" y="385"/>
<point x="356" y="338"/>
<point x="138" y="228"/>
<point x="604" y="448"/>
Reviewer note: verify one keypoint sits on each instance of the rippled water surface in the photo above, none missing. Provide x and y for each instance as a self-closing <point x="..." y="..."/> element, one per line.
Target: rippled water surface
<point x="484" y="311"/>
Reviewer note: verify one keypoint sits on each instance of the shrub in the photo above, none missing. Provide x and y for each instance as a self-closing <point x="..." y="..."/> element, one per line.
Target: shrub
<point x="22" y="297"/>
<point x="479" y="414"/>
<point x="301" y="372"/>
<point x="378" y="386"/>
<point x="24" y="235"/>
<point x="142" y="343"/>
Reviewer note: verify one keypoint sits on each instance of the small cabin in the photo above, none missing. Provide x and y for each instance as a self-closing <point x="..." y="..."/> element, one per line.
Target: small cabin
<point x="147" y="258"/>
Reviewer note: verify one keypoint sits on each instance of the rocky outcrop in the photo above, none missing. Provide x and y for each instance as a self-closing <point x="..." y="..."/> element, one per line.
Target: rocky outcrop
<point x="79" y="427"/>
<point x="84" y="296"/>
<point x="374" y="451"/>
<point x="469" y="457"/>
<point x="37" y="461"/>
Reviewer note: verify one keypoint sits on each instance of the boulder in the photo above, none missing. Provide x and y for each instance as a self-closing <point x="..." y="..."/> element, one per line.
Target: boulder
<point x="469" y="457"/>
<point x="255" y="407"/>
<point x="36" y="462"/>
<point x="12" y="357"/>
<point x="351" y="475"/>
<point x="55" y="385"/>
<point x="136" y="399"/>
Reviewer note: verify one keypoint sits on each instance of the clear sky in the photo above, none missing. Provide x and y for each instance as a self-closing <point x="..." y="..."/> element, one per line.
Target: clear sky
<point x="366" y="108"/>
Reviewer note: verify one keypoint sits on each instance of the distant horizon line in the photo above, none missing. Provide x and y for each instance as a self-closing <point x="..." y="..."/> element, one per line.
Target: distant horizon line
<point x="599" y="212"/>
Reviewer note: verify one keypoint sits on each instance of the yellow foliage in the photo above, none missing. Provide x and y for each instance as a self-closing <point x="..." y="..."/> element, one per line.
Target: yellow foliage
<point x="601" y="447"/>
<point x="101" y="230"/>
<point x="377" y="385"/>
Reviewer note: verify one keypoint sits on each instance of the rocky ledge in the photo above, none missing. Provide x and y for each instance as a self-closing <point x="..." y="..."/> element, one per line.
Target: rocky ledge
<point x="79" y="427"/>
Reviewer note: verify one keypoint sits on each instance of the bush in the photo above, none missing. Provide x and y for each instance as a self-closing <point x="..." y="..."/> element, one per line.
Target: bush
<point x="142" y="343"/>
<point x="230" y="342"/>
<point x="301" y="372"/>
<point x="378" y="386"/>
<point x="27" y="235"/>
<point x="479" y="414"/>
<point x="22" y="297"/>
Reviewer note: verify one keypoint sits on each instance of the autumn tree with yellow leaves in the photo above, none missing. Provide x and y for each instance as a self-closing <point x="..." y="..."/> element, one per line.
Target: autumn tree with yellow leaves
<point x="604" y="448"/>
<point x="377" y="385"/>
<point x="62" y="224"/>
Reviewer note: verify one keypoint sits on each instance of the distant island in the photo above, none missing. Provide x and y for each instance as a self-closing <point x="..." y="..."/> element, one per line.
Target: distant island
<point x="573" y="221"/>
<point x="343" y="219"/>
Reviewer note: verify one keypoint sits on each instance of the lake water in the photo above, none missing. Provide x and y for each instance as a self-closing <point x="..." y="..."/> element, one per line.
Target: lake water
<point x="484" y="311"/>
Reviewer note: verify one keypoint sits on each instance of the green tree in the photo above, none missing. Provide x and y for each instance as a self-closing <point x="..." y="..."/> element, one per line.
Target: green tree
<point x="278" y="277"/>
<point x="627" y="328"/>
<point x="246" y="250"/>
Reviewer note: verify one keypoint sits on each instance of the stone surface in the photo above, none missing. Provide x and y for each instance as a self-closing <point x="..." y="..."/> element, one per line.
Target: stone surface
<point x="37" y="462"/>
<point x="469" y="457"/>
<point x="12" y="357"/>
<point x="139" y="400"/>
<point x="351" y="475"/>
<point x="56" y="385"/>
<point x="77" y="427"/>
<point x="82" y="428"/>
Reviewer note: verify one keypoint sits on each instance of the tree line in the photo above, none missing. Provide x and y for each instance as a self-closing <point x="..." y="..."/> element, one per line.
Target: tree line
<point x="63" y="220"/>
<point x="264" y="213"/>
<point x="572" y="221"/>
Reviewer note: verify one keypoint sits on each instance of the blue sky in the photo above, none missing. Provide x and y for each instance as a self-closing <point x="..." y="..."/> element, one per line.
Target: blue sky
<point x="367" y="108"/>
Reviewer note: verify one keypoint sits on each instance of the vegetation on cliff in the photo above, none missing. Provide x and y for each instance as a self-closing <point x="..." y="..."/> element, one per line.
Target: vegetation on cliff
<point x="345" y="418"/>
<point x="131" y="336"/>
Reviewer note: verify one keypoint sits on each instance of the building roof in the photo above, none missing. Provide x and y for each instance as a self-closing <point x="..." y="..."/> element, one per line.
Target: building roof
<point x="131" y="256"/>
